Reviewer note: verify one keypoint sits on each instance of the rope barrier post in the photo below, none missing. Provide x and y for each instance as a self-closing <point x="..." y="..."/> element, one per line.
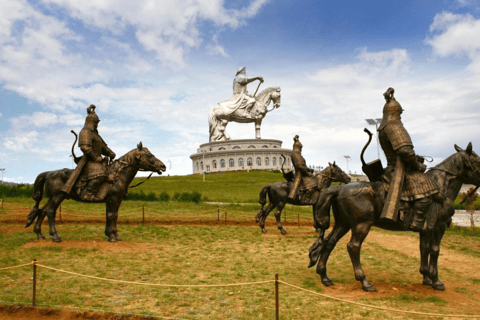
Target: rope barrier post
<point x="277" y="307"/>
<point x="143" y="215"/>
<point x="34" y="299"/>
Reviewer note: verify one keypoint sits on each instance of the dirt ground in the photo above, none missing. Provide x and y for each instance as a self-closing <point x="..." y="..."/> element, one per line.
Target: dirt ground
<point x="18" y="312"/>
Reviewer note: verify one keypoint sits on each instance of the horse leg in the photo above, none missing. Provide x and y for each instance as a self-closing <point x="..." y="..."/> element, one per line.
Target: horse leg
<point x="111" y="221"/>
<point x="50" y="210"/>
<point x="326" y="249"/>
<point x="437" y="235"/>
<point x="278" y="217"/>
<point x="38" y="224"/>
<point x="425" y="247"/>
<point x="258" y="123"/>
<point x="359" y="233"/>
<point x="264" y="216"/>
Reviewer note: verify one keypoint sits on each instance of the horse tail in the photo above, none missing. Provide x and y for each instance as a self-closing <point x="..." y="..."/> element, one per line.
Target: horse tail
<point x="37" y="196"/>
<point x="321" y="221"/>
<point x="262" y="200"/>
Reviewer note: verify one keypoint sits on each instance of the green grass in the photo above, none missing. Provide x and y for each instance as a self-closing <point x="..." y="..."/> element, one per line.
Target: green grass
<point x="211" y="255"/>
<point x="232" y="187"/>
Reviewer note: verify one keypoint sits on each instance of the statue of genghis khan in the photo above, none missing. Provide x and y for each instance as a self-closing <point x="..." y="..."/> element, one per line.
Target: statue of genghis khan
<point x="92" y="169"/>
<point x="304" y="178"/>
<point x="240" y="97"/>
<point x="405" y="170"/>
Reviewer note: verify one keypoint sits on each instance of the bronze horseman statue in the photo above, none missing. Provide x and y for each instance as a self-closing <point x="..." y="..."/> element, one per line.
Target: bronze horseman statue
<point x="91" y="169"/>
<point x="95" y="179"/>
<point x="301" y="189"/>
<point x="400" y="197"/>
<point x="242" y="107"/>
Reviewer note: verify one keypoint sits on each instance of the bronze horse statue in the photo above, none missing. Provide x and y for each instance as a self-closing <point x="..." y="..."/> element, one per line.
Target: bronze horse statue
<point x="125" y="168"/>
<point x="358" y="206"/>
<point x="221" y="114"/>
<point x="278" y="194"/>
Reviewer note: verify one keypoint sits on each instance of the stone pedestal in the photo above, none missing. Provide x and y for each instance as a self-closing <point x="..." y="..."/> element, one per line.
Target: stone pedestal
<point x="235" y="155"/>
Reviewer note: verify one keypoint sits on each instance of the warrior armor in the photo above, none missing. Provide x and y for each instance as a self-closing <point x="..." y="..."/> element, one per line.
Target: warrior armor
<point x="397" y="145"/>
<point x="303" y="174"/>
<point x="92" y="169"/>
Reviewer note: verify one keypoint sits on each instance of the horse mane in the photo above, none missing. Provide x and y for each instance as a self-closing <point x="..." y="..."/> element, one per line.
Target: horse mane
<point x="128" y="157"/>
<point x="263" y="93"/>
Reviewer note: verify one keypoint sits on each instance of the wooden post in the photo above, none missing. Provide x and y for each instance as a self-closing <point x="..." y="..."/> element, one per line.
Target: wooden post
<point x="277" y="307"/>
<point x="34" y="300"/>
<point x="143" y="215"/>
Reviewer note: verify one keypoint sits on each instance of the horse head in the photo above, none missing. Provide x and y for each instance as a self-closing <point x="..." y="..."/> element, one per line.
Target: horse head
<point x="146" y="161"/>
<point x="471" y="165"/>
<point x="338" y="174"/>
<point x="270" y="94"/>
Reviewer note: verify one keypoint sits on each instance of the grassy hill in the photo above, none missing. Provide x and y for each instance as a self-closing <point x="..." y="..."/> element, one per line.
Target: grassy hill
<point x="236" y="187"/>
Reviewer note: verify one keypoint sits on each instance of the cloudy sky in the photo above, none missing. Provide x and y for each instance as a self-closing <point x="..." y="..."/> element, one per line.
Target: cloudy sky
<point x="155" y="68"/>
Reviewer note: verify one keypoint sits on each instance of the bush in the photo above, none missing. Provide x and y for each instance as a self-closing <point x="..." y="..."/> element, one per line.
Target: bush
<point x="195" y="196"/>
<point x="21" y="190"/>
<point x="164" y="196"/>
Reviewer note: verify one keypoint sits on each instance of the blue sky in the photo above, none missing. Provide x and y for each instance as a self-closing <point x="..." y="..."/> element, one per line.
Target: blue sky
<point x="154" y="69"/>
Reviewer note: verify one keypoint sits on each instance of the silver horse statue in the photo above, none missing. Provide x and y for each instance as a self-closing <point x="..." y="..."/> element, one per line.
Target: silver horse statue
<point x="242" y="107"/>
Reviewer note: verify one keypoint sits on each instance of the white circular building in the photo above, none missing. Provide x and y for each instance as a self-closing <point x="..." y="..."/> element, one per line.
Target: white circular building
<point x="234" y="155"/>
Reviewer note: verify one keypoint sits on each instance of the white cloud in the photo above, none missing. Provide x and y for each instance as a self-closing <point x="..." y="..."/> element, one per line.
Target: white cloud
<point x="216" y="48"/>
<point x="168" y="28"/>
<point x="456" y="34"/>
<point x="37" y="119"/>
<point x="21" y="142"/>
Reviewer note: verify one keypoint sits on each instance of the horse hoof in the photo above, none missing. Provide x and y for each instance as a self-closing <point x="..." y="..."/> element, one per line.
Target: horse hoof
<point x="40" y="236"/>
<point x="438" y="286"/>
<point x="57" y="239"/>
<point x="264" y="230"/>
<point x="327" y="282"/>
<point x="283" y="231"/>
<point x="112" y="239"/>
<point x="369" y="288"/>
<point x="427" y="282"/>
<point x="118" y="237"/>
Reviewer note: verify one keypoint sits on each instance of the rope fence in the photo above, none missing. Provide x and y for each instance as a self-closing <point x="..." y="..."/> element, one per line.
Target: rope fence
<point x="276" y="282"/>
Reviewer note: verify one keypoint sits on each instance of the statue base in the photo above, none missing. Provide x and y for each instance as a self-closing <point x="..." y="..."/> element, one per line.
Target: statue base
<point x="240" y="155"/>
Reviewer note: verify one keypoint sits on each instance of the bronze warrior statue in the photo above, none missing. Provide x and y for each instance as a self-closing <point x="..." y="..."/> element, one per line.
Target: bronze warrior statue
<point x="415" y="200"/>
<point x="303" y="174"/>
<point x="91" y="169"/>
<point x="94" y="180"/>
<point x="403" y="165"/>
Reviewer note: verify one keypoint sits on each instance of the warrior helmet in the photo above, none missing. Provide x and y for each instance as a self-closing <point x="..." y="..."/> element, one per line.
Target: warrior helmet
<point x="240" y="70"/>
<point x="391" y="107"/>
<point x="297" y="145"/>
<point x="92" y="118"/>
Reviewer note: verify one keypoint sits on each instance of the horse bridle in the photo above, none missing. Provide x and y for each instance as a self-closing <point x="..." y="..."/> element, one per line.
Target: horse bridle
<point x="139" y="169"/>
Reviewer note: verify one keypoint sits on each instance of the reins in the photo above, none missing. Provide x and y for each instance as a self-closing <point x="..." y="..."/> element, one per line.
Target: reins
<point x="139" y="169"/>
